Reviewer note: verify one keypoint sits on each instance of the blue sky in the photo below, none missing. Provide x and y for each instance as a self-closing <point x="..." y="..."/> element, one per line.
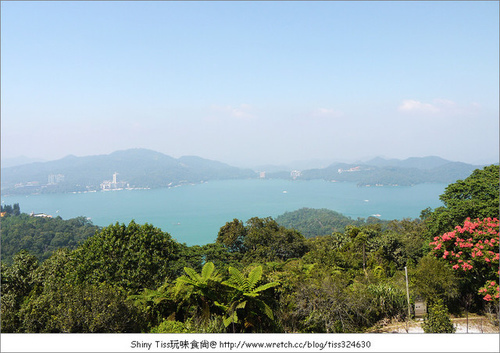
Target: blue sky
<point x="251" y="82"/>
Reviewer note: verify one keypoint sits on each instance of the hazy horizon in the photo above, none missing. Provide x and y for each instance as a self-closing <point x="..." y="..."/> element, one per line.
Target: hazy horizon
<point x="251" y="83"/>
<point x="300" y="164"/>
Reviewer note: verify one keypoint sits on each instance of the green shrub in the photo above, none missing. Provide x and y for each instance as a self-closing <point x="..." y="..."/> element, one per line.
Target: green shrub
<point x="438" y="319"/>
<point x="171" y="326"/>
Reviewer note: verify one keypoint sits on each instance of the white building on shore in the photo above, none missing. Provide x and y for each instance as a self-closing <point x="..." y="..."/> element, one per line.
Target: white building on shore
<point x="113" y="184"/>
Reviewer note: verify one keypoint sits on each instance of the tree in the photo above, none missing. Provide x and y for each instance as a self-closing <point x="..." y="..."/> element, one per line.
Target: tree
<point x="81" y="308"/>
<point x="246" y="311"/>
<point x="133" y="257"/>
<point x="403" y="242"/>
<point x="219" y="255"/>
<point x="438" y="319"/>
<point x="232" y="236"/>
<point x="41" y="298"/>
<point x="155" y="304"/>
<point x="319" y="222"/>
<point x="199" y="290"/>
<point x="472" y="249"/>
<point x="17" y="280"/>
<point x="474" y="197"/>
<point x="42" y="236"/>
<point x="330" y="304"/>
<point x="432" y="279"/>
<point x="14" y="210"/>
<point x="261" y="239"/>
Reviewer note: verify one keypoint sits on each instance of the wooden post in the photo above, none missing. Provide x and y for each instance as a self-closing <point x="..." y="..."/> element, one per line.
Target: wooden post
<point x="364" y="258"/>
<point x="407" y="294"/>
<point x="467" y="319"/>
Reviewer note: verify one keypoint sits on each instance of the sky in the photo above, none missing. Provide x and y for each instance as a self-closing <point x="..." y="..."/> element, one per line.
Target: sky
<point x="250" y="83"/>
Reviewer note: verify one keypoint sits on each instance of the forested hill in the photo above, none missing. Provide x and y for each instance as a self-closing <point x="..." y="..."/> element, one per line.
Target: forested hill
<point x="380" y="171"/>
<point x="137" y="168"/>
<point x="312" y="222"/>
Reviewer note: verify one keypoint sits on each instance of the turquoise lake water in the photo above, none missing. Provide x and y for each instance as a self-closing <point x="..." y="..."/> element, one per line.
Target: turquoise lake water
<point x="193" y="214"/>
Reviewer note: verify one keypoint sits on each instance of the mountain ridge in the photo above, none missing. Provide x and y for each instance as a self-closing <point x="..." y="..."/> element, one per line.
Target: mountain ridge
<point x="144" y="168"/>
<point x="136" y="168"/>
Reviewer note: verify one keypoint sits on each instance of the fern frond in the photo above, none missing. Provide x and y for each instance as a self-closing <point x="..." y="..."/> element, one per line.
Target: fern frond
<point x="230" y="319"/>
<point x="207" y="271"/>
<point x="236" y="276"/>
<point x="184" y="279"/>
<point x="266" y="286"/>
<point x="241" y="305"/>
<point x="268" y="311"/>
<point x="220" y="305"/>
<point x="254" y="276"/>
<point x="192" y="273"/>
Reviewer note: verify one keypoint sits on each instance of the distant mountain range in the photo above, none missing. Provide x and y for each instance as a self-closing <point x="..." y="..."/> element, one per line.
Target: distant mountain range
<point x="135" y="168"/>
<point x="384" y="172"/>
<point x="142" y="168"/>
<point x="12" y="162"/>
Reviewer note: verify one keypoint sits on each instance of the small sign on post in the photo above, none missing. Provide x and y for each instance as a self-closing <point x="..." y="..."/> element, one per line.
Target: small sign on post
<point x="420" y="308"/>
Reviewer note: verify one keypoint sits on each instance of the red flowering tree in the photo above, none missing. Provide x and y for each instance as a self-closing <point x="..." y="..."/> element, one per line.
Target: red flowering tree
<point x="473" y="249"/>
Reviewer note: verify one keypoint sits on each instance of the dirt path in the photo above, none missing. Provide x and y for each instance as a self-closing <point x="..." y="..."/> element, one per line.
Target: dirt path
<point x="477" y="324"/>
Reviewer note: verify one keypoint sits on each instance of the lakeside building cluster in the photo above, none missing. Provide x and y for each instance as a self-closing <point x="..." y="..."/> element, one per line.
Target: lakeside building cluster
<point x="114" y="184"/>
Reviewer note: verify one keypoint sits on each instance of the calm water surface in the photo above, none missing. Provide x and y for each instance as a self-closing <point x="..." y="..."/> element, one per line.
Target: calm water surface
<point x="193" y="214"/>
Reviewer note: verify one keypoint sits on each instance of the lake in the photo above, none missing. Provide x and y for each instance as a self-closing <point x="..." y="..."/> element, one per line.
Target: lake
<point x="193" y="214"/>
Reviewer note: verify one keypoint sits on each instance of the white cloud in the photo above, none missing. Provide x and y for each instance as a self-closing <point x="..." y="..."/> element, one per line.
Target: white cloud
<point x="326" y="113"/>
<point x="241" y="112"/>
<point x="439" y="106"/>
<point x="411" y="105"/>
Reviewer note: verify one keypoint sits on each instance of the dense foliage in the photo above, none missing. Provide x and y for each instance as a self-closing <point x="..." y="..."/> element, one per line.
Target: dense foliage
<point x="133" y="257"/>
<point x="477" y="196"/>
<point x="41" y="236"/>
<point x="259" y="276"/>
<point x="316" y="222"/>
<point x="261" y="240"/>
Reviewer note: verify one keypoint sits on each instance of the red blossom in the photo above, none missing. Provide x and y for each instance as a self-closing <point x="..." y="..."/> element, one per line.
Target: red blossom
<point x="477" y="248"/>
